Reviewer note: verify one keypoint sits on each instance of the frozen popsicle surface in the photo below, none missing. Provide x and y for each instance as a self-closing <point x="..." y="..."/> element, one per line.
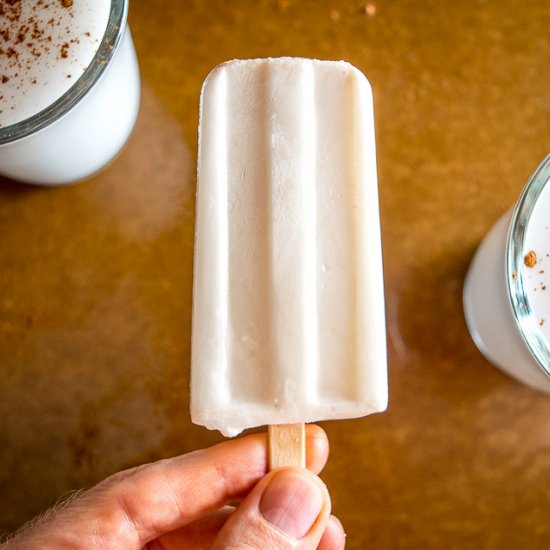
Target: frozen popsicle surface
<point x="288" y="305"/>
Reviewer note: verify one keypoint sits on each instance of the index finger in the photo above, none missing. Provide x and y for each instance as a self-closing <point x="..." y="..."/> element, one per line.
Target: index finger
<point x="136" y="506"/>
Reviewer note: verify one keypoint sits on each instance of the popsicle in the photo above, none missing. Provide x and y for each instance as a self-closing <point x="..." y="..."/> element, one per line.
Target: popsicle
<point x="288" y="299"/>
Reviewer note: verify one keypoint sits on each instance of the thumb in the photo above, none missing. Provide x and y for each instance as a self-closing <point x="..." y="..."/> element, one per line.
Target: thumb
<point x="287" y="509"/>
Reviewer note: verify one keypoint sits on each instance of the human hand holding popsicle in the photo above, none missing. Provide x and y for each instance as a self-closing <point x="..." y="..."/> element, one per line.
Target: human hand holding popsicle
<point x="183" y="503"/>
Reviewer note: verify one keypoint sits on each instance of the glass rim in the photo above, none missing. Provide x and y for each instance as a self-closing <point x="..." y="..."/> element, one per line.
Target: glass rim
<point x="109" y="43"/>
<point x="528" y="326"/>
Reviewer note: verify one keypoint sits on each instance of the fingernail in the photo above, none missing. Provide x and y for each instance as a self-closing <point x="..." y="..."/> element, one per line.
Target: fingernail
<point x="292" y="503"/>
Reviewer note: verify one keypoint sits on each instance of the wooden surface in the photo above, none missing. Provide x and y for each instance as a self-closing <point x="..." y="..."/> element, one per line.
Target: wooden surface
<point x="95" y="279"/>
<point x="287" y="445"/>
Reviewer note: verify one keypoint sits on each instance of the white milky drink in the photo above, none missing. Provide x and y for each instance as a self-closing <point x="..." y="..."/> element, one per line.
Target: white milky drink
<point x="507" y="289"/>
<point x="69" y="87"/>
<point x="288" y="305"/>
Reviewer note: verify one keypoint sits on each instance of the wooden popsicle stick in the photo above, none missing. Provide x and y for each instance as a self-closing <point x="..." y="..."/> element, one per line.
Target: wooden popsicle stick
<point x="287" y="445"/>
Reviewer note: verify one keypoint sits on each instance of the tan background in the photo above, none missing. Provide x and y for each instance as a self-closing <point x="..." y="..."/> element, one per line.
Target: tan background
<point x="95" y="279"/>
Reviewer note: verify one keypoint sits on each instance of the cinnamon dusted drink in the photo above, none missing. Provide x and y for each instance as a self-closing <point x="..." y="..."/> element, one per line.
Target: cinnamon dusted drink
<point x="507" y="290"/>
<point x="69" y="87"/>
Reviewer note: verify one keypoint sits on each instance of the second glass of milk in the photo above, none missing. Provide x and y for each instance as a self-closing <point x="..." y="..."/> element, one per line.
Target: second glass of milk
<point x="507" y="288"/>
<point x="69" y="88"/>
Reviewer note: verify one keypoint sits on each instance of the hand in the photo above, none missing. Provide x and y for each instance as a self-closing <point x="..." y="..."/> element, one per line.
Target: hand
<point x="183" y="503"/>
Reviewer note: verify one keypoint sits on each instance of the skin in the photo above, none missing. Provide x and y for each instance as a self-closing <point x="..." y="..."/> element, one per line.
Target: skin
<point x="184" y="502"/>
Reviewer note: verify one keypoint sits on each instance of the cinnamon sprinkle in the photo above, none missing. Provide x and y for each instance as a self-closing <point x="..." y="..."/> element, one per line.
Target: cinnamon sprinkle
<point x="530" y="259"/>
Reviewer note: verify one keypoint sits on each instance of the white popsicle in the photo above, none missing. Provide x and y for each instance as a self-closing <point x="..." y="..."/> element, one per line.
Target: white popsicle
<point x="288" y="311"/>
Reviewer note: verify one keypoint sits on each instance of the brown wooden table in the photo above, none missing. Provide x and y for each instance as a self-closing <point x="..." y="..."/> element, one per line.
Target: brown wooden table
<point x="95" y="279"/>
